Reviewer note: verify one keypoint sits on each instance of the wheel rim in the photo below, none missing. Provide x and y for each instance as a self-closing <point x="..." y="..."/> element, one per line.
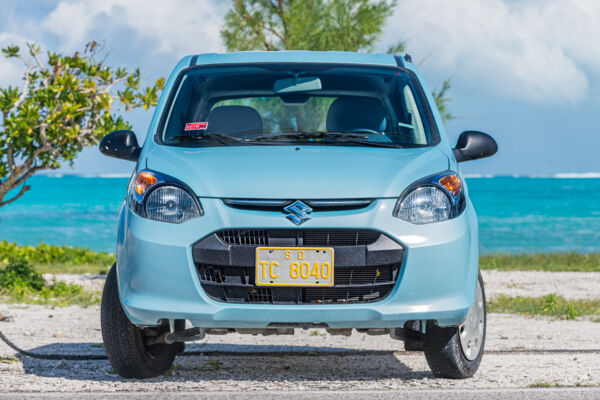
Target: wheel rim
<point x="471" y="331"/>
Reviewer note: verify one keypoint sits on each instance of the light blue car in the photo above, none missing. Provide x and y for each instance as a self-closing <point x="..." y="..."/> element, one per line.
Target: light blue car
<point x="292" y="190"/>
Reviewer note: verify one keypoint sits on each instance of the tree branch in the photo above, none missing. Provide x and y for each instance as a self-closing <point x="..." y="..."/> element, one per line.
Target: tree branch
<point x="46" y="146"/>
<point x="25" y="91"/>
<point x="24" y="189"/>
<point x="38" y="61"/>
<point x="10" y="158"/>
<point x="108" y="88"/>
<point x="41" y="67"/>
<point x="273" y="31"/>
<point x="283" y="22"/>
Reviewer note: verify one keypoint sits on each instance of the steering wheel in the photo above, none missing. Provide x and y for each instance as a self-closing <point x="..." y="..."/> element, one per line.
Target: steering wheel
<point x="365" y="130"/>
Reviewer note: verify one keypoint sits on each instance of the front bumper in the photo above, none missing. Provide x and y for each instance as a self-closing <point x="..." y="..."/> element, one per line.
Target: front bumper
<point x="158" y="278"/>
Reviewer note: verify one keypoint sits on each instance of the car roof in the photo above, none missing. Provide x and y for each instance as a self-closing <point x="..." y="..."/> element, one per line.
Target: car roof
<point x="301" y="56"/>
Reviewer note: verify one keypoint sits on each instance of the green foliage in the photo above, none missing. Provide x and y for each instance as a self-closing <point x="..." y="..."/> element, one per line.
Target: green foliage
<point x="550" y="305"/>
<point x="544" y="385"/>
<point x="442" y="100"/>
<point x="398" y="48"/>
<point x="347" y="25"/>
<point x="277" y="117"/>
<point x="21" y="283"/>
<point x="212" y="365"/>
<point x="20" y="274"/>
<point x="45" y="254"/>
<point x="320" y="25"/>
<point x="64" y="104"/>
<point x="576" y="262"/>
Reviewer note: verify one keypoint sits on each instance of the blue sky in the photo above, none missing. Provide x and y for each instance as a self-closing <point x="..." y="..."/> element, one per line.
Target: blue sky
<point x="526" y="71"/>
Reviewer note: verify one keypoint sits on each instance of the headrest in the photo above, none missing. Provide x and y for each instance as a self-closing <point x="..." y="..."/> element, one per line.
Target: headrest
<point x="348" y="113"/>
<point x="233" y="120"/>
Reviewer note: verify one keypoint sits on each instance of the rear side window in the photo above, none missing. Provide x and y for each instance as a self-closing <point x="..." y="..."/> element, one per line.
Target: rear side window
<point x="278" y="116"/>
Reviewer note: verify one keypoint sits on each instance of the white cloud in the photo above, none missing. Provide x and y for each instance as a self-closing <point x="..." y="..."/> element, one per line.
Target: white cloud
<point x="175" y="26"/>
<point x="11" y="70"/>
<point x="542" y="51"/>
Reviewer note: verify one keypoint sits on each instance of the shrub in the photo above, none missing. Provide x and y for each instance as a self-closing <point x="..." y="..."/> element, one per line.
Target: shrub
<point x="45" y="254"/>
<point x="20" y="282"/>
<point x="20" y="274"/>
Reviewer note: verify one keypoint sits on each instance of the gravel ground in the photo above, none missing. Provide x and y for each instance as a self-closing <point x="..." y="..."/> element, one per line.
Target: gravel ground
<point x="570" y="285"/>
<point x="520" y="351"/>
<point x="578" y="393"/>
<point x="87" y="281"/>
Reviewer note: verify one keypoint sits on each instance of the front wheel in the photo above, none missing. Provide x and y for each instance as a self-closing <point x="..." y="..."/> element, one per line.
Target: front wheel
<point x="124" y="342"/>
<point x="455" y="352"/>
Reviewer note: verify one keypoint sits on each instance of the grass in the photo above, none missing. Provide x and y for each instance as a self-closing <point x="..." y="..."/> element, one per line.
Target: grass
<point x="212" y="365"/>
<point x="75" y="260"/>
<point x="23" y="283"/>
<point x="576" y="262"/>
<point x="544" y="385"/>
<point x="58" y="259"/>
<point x="20" y="282"/>
<point x="549" y="305"/>
<point x="72" y="269"/>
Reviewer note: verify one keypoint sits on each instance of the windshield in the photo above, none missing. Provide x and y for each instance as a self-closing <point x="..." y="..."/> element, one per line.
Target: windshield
<point x="295" y="103"/>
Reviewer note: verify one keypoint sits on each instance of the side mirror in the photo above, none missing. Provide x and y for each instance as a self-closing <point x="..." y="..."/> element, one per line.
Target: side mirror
<point x="121" y="144"/>
<point x="473" y="145"/>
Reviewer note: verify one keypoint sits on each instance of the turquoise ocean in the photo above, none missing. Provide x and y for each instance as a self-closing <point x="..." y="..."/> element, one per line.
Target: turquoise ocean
<point x="516" y="214"/>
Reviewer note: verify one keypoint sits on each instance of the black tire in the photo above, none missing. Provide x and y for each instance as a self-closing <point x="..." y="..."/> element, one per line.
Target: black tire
<point x="413" y="345"/>
<point x="124" y="342"/>
<point x="443" y="350"/>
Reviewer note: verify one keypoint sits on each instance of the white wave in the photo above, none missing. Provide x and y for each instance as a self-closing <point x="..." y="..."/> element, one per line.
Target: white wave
<point x="588" y="175"/>
<point x="107" y="175"/>
<point x="86" y="175"/>
<point x="479" y="175"/>
<point x="560" y="175"/>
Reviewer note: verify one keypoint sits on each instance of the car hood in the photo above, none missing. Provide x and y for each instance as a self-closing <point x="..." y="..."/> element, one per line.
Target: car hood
<point x="296" y="172"/>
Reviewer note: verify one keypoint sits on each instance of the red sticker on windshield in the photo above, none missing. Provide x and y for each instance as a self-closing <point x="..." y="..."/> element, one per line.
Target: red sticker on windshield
<point x="196" y="126"/>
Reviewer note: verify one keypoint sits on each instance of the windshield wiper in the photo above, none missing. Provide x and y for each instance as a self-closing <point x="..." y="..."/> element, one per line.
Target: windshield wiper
<point x="218" y="136"/>
<point x="372" y="144"/>
<point x="332" y="137"/>
<point x="308" y="135"/>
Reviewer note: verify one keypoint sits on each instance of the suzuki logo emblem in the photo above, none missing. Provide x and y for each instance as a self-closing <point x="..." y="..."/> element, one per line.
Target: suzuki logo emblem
<point x="297" y="212"/>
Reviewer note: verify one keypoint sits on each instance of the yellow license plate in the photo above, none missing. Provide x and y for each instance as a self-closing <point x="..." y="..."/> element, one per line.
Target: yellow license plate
<point x="294" y="266"/>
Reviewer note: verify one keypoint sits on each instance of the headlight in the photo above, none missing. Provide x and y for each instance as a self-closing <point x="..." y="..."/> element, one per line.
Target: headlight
<point x="171" y="204"/>
<point x="424" y="205"/>
<point x="433" y="199"/>
<point x="162" y="198"/>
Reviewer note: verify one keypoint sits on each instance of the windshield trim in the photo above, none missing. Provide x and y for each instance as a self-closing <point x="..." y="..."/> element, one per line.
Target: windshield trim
<point x="422" y="98"/>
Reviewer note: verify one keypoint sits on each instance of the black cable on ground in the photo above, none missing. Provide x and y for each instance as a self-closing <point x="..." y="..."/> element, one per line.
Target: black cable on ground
<point x="78" y="357"/>
<point x="83" y="357"/>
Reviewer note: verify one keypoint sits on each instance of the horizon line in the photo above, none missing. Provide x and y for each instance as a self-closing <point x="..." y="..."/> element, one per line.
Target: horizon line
<point x="559" y="175"/>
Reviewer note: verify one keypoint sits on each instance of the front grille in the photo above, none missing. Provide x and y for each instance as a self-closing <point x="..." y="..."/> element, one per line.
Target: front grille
<point x="316" y="205"/>
<point x="304" y="237"/>
<point x="351" y="285"/>
<point x="366" y="266"/>
<point x="244" y="237"/>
